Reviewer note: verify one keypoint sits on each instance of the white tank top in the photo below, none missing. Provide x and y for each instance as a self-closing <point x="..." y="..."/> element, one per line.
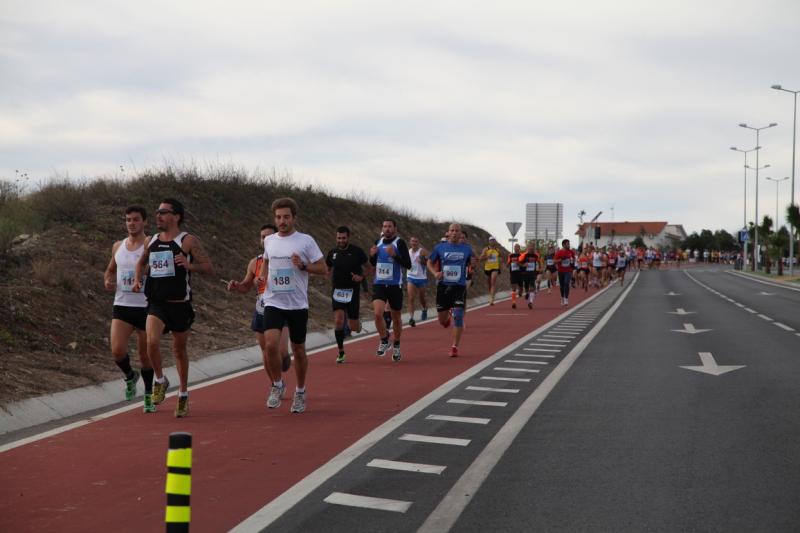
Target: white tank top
<point x="417" y="270"/>
<point x="597" y="259"/>
<point x="126" y="265"/>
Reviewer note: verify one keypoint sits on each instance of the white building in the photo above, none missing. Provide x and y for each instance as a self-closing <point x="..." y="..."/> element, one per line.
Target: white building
<point x="656" y="234"/>
<point x="544" y="221"/>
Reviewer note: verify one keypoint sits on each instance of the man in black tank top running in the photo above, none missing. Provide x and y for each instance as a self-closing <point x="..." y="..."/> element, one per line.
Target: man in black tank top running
<point x="169" y="259"/>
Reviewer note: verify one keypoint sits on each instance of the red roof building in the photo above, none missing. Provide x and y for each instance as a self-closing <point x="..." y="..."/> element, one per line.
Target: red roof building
<point x="656" y="234"/>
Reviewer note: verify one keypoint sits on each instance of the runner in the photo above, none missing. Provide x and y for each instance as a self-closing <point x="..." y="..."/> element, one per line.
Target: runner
<point x="289" y="257"/>
<point x="257" y="323"/>
<point x="346" y="264"/>
<point x="622" y="266"/>
<point x="515" y="275"/>
<point x="530" y="262"/>
<point x="130" y="309"/>
<point x="491" y="254"/>
<point x="565" y="262"/>
<point x="389" y="256"/>
<point x="417" y="280"/>
<point x="171" y="257"/>
<point x="448" y="263"/>
<point x="550" y="267"/>
<point x="583" y="271"/>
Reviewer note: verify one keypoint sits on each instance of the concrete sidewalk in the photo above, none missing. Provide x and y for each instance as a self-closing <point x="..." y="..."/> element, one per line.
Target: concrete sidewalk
<point x="47" y="408"/>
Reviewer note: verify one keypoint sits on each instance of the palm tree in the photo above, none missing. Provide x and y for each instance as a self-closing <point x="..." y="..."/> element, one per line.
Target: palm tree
<point x="764" y="232"/>
<point x="779" y="241"/>
<point x="793" y="219"/>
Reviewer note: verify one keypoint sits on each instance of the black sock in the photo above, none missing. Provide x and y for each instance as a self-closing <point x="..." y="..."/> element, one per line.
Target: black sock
<point x="396" y="344"/>
<point x="339" y="334"/>
<point x="385" y="340"/>
<point x="124" y="364"/>
<point x="147" y="377"/>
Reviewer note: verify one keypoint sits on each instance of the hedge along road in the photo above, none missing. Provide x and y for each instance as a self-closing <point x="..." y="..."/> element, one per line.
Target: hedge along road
<point x="109" y="474"/>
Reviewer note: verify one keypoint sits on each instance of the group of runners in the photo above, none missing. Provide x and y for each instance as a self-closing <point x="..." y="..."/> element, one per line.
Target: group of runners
<point x="152" y="280"/>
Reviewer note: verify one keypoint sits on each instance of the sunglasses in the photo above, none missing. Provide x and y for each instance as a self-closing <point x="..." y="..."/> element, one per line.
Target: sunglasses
<point x="164" y="212"/>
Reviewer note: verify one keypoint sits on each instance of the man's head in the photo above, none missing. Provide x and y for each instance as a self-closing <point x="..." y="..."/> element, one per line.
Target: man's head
<point x="285" y="212"/>
<point x="454" y="233"/>
<point x="342" y="236"/>
<point x="517" y="248"/>
<point x="135" y="217"/>
<point x="565" y="244"/>
<point x="389" y="229"/>
<point x="492" y="242"/>
<point x="464" y="237"/>
<point x="414" y="242"/>
<point x="169" y="214"/>
<point x="266" y="231"/>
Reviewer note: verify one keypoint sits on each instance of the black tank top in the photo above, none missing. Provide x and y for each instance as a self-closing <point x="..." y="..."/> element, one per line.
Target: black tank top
<point x="166" y="280"/>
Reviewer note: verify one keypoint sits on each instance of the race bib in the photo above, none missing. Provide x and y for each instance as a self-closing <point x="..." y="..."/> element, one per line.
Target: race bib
<point x="452" y="272"/>
<point x="549" y="262"/>
<point x="282" y="280"/>
<point x="584" y="264"/>
<point x="530" y="267"/>
<point x="566" y="262"/>
<point x="127" y="279"/>
<point x="162" y="264"/>
<point x="514" y="267"/>
<point x="343" y="296"/>
<point x="385" y="271"/>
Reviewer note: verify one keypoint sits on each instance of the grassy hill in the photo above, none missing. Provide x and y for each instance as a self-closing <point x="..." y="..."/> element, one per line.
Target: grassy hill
<point x="55" y="313"/>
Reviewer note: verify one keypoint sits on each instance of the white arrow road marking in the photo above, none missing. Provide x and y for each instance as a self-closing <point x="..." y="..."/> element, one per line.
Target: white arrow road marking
<point x="689" y="328"/>
<point x="672" y="293"/>
<point x="710" y="366"/>
<point x="762" y="293"/>
<point x="680" y="311"/>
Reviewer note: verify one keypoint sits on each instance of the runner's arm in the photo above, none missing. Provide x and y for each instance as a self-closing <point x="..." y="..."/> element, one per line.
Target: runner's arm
<point x="201" y="263"/>
<point x="247" y="282"/>
<point x="110" y="275"/>
<point x="403" y="257"/>
<point x="141" y="266"/>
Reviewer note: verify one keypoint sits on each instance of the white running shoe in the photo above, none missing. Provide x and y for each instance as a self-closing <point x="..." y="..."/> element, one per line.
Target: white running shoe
<point x="275" y="396"/>
<point x="383" y="347"/>
<point x="299" y="402"/>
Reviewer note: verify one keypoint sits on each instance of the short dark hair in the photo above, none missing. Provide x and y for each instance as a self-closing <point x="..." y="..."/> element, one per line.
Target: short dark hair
<point x="273" y="227"/>
<point x="177" y="208"/>
<point x="394" y="223"/>
<point x="281" y="203"/>
<point x="136" y="209"/>
<point x="565" y="240"/>
<point x="343" y="229"/>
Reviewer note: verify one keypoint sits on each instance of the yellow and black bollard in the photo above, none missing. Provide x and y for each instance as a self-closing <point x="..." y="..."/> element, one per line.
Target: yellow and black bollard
<point x="179" y="482"/>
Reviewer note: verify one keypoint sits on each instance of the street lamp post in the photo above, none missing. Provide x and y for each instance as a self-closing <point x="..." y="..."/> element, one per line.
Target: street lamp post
<point x="777" y="193"/>
<point x="791" y="198"/>
<point x="745" y="152"/>
<point x="758" y="132"/>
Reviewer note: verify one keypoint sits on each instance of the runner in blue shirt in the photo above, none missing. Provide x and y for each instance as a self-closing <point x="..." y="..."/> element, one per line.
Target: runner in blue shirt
<point x="448" y="263"/>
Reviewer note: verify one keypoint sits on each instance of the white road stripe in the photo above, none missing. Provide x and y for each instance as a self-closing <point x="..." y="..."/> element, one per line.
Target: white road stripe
<point x="556" y="336"/>
<point x="509" y="369"/>
<point x="406" y="467"/>
<point x="462" y="419"/>
<point x="526" y="362"/>
<point x="750" y="310"/>
<point x="498" y="378"/>
<point x="765" y="317"/>
<point x="739" y="304"/>
<point x="367" y="502"/>
<point x="784" y="326"/>
<point x="534" y="355"/>
<point x="492" y="389"/>
<point x="559" y="344"/>
<point x="551" y="350"/>
<point x="435" y="440"/>
<point x="484" y="403"/>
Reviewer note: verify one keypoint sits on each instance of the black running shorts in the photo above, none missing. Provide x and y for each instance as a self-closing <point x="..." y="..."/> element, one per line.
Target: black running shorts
<point x="135" y="316"/>
<point x="295" y="319"/>
<point x="450" y="296"/>
<point x="176" y="316"/>
<point x="389" y="293"/>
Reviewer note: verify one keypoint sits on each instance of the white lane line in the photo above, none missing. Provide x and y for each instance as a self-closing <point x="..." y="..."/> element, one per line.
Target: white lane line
<point x="492" y="389"/>
<point x="534" y="355"/>
<point x="477" y="402"/>
<point x="750" y="310"/>
<point x="581" y="322"/>
<point x="765" y="317"/>
<point x="568" y="329"/>
<point x="798" y="334"/>
<point x="498" y="378"/>
<point x="784" y="326"/>
<point x="551" y="344"/>
<point x="429" y="439"/>
<point x="556" y="336"/>
<point x="739" y="304"/>
<point x="462" y="419"/>
<point x="509" y="369"/>
<point x="367" y="502"/>
<point x="526" y="362"/>
<point x="450" y="508"/>
<point x="551" y="350"/>
<point x="406" y="467"/>
<point x="747" y="276"/>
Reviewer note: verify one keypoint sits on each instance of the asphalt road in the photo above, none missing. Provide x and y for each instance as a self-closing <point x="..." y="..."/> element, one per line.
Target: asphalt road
<point x="670" y="405"/>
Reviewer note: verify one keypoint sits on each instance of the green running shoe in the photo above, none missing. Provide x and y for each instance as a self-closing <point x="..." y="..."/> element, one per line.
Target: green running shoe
<point x="130" y="386"/>
<point x="340" y="359"/>
<point x="149" y="406"/>
<point x="160" y="391"/>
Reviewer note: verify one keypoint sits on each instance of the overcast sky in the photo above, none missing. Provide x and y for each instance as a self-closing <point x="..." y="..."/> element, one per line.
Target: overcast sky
<point x="456" y="110"/>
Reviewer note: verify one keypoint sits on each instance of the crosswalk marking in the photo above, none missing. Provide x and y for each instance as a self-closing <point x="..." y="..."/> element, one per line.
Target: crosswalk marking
<point x="492" y="389"/>
<point x="525" y="362"/>
<point x="509" y="369"/>
<point x="499" y="378"/>
<point x="367" y="502"/>
<point x="550" y="350"/>
<point x="477" y="402"/>
<point x="406" y="467"/>
<point x="462" y="419"/>
<point x="534" y="355"/>
<point x="435" y="440"/>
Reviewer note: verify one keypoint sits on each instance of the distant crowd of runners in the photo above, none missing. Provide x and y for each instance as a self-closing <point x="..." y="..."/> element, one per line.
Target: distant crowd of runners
<point x="152" y="280"/>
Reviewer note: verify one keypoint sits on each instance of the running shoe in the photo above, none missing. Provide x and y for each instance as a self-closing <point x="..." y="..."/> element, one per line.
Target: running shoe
<point x="412" y="323"/>
<point x="382" y="347"/>
<point x="454" y="351"/>
<point x="530" y="305"/>
<point x="396" y="355"/>
<point x="275" y="396"/>
<point x="149" y="407"/>
<point x="286" y="363"/>
<point x="514" y="305"/>
<point x="424" y="314"/>
<point x="182" y="409"/>
<point x="340" y="358"/>
<point x="299" y="402"/>
<point x="130" y="386"/>
<point x="566" y="302"/>
<point x="160" y="391"/>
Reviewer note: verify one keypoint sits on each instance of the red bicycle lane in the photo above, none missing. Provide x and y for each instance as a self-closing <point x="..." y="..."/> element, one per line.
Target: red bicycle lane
<point x="110" y="474"/>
